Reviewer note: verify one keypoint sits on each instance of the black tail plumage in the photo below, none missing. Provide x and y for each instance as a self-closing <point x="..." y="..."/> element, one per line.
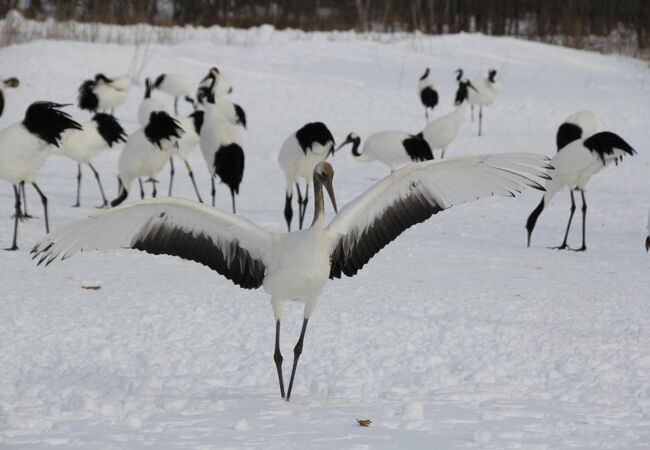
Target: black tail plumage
<point x="229" y="166"/>
<point x="109" y="128"/>
<point x="241" y="115"/>
<point x="87" y="99"/>
<point x="162" y="127"/>
<point x="46" y="121"/>
<point x="417" y="148"/>
<point x="567" y="133"/>
<point x="605" y="142"/>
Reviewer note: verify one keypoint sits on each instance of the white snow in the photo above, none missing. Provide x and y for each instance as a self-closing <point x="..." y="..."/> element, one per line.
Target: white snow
<point x="454" y="336"/>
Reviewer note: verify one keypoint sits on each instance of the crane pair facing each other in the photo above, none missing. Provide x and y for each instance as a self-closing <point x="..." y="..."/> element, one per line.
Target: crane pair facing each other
<point x="295" y="266"/>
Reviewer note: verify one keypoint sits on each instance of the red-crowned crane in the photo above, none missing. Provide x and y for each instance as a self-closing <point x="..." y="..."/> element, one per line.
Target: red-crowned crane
<point x="24" y="149"/>
<point x="82" y="145"/>
<point x="146" y="153"/>
<point x="484" y="92"/>
<point x="148" y="104"/>
<point x="299" y="154"/>
<point x="574" y="165"/>
<point x="103" y="93"/>
<point x="175" y="85"/>
<point x="295" y="266"/>
<point x="4" y="85"/>
<point x="391" y="148"/>
<point x="427" y="92"/>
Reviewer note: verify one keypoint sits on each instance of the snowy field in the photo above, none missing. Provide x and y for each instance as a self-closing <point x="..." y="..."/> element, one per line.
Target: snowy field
<point x="454" y="336"/>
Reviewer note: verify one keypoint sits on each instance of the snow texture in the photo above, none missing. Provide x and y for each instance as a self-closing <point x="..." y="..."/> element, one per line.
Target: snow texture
<point x="454" y="336"/>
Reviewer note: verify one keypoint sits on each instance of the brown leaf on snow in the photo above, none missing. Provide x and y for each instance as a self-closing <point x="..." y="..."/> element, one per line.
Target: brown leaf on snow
<point x="364" y="422"/>
<point x="95" y="287"/>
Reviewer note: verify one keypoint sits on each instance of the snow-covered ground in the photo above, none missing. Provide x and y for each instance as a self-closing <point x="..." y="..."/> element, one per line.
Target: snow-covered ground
<point x="454" y="336"/>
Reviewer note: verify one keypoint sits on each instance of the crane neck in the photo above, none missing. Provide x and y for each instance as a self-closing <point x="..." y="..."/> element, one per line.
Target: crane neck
<point x="319" y="204"/>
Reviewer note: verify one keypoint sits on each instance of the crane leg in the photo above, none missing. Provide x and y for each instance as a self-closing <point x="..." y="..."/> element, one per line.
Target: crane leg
<point x="141" y="188"/>
<point x="213" y="191"/>
<point x="584" y="224"/>
<point x="288" y="211"/>
<point x="303" y="205"/>
<point x="172" y="171"/>
<point x="17" y="217"/>
<point x="191" y="174"/>
<point x="471" y="108"/>
<point x="442" y="155"/>
<point x="25" y="214"/>
<point x="568" y="225"/>
<point x="232" y="195"/>
<point x="78" y="203"/>
<point x="297" y="350"/>
<point x="154" y="191"/>
<point x="99" y="183"/>
<point x="277" y="357"/>
<point x="176" y="106"/>
<point x="480" y="120"/>
<point x="44" y="202"/>
<point x="299" y="206"/>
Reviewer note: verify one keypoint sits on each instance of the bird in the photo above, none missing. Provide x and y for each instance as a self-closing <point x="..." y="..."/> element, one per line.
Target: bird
<point x="441" y="132"/>
<point x="5" y="84"/>
<point x="176" y="85"/>
<point x="574" y="165"/>
<point x="148" y="105"/>
<point x="300" y="152"/>
<point x="579" y="125"/>
<point x="221" y="146"/>
<point x="102" y="93"/>
<point x="392" y="148"/>
<point x="23" y="150"/>
<point x="190" y="138"/>
<point x="428" y="93"/>
<point x="484" y="92"/>
<point x="295" y="266"/>
<point x="218" y="81"/>
<point x="82" y="145"/>
<point x="146" y="152"/>
<point x="233" y="112"/>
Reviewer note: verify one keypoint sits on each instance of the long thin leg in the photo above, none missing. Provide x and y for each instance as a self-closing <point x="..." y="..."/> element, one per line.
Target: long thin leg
<point x="175" y="108"/>
<point x="78" y="203"/>
<point x="288" y="211"/>
<point x="471" y="108"/>
<point x="17" y="217"/>
<point x="154" y="191"/>
<point x="568" y="225"/>
<point x="299" y="206"/>
<point x="141" y="188"/>
<point x="44" y="201"/>
<point x="99" y="183"/>
<point x="442" y="155"/>
<point x="25" y="214"/>
<point x="277" y="357"/>
<point x="191" y="174"/>
<point x="297" y="350"/>
<point x="232" y="195"/>
<point x="584" y="224"/>
<point x="305" y="201"/>
<point x="480" y="119"/>
<point x="171" y="174"/>
<point x="213" y="191"/>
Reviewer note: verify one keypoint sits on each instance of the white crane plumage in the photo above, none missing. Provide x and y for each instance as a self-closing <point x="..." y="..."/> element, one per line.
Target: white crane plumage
<point x="148" y="105"/>
<point x="146" y="152"/>
<point x="24" y="149"/>
<point x="300" y="152"/>
<point x="391" y="148"/>
<point x="82" y="145"/>
<point x="574" y="165"/>
<point x="579" y="125"/>
<point x="176" y="85"/>
<point x="221" y="146"/>
<point x="216" y="80"/>
<point x="427" y="92"/>
<point x="295" y="266"/>
<point x="103" y="93"/>
<point x="5" y="84"/>
<point x="441" y="132"/>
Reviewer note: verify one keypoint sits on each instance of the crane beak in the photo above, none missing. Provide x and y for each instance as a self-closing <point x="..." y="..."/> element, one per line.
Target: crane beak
<point x="330" y="191"/>
<point x="472" y="86"/>
<point x="341" y="145"/>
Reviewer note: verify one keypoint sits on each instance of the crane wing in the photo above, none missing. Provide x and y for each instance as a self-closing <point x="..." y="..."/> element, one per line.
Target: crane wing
<point x="232" y="246"/>
<point x="416" y="192"/>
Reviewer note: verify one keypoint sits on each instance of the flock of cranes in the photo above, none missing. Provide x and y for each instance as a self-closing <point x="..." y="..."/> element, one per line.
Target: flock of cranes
<point x="291" y="266"/>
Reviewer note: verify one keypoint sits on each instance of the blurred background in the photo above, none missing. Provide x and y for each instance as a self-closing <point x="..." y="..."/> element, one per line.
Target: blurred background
<point x="610" y="26"/>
